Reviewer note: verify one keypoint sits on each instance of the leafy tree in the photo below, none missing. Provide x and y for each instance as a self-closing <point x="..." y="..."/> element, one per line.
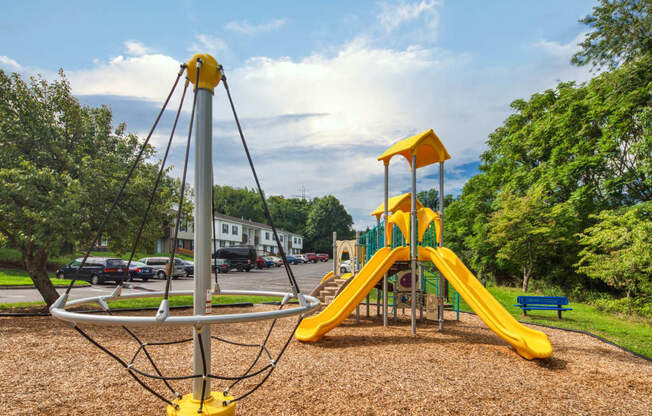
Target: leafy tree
<point x="520" y="228"/>
<point x="618" y="249"/>
<point x="326" y="215"/>
<point x="289" y="214"/>
<point x="61" y="165"/>
<point x="622" y="32"/>
<point x="429" y="198"/>
<point x="239" y="202"/>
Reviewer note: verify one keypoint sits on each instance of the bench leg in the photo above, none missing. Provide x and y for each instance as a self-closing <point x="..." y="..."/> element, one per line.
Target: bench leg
<point x="524" y="312"/>
<point x="559" y="314"/>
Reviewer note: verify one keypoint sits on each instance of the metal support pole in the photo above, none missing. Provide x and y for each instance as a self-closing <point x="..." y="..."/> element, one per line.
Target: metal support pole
<point x="388" y="243"/>
<point x="413" y="245"/>
<point x="357" y="255"/>
<point x="335" y="257"/>
<point x="421" y="292"/>
<point x="203" y="230"/>
<point x="444" y="283"/>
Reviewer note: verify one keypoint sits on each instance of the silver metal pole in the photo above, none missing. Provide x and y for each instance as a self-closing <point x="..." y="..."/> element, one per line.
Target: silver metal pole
<point x="444" y="283"/>
<point x="203" y="231"/>
<point x="335" y="257"/>
<point x="357" y="255"/>
<point x="388" y="243"/>
<point x="413" y="244"/>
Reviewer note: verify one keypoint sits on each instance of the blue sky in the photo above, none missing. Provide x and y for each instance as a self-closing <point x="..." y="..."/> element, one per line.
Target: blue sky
<point x="323" y="88"/>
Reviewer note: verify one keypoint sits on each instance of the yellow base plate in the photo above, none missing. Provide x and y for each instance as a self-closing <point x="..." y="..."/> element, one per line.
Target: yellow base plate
<point x="212" y="406"/>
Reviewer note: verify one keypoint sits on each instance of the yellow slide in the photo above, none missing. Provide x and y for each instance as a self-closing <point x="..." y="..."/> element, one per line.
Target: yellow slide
<point x="528" y="342"/>
<point x="313" y="328"/>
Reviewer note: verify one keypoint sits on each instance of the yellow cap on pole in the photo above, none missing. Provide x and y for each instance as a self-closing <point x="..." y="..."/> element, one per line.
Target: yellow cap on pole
<point x="209" y="74"/>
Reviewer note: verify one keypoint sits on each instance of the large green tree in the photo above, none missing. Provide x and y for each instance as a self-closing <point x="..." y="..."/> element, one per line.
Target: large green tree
<point x="618" y="249"/>
<point x="61" y="165"/>
<point x="326" y="215"/>
<point x="621" y="32"/>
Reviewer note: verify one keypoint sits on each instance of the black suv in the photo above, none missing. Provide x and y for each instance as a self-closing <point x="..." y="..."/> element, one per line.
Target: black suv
<point x="96" y="270"/>
<point x="240" y="257"/>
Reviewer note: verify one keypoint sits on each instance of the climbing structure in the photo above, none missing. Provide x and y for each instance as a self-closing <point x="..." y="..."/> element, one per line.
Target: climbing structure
<point x="403" y="239"/>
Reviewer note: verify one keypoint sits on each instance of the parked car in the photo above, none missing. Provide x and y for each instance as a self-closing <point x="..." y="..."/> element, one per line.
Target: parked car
<point x="276" y="261"/>
<point x="345" y="266"/>
<point x="291" y="259"/>
<point x="223" y="265"/>
<point x="240" y="257"/>
<point x="188" y="266"/>
<point x="302" y="258"/>
<point x="323" y="256"/>
<point x="312" y="257"/>
<point x="138" y="270"/>
<point x="160" y="266"/>
<point x="96" y="270"/>
<point x="262" y="263"/>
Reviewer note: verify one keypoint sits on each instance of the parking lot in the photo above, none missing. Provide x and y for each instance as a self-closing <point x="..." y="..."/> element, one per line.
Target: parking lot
<point x="274" y="279"/>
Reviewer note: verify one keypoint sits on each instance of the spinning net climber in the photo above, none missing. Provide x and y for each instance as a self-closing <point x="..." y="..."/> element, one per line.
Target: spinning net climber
<point x="204" y="73"/>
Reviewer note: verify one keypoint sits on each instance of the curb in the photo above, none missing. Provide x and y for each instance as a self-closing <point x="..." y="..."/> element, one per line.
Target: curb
<point x="34" y="287"/>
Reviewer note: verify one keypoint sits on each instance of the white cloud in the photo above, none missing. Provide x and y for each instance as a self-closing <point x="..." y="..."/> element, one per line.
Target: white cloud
<point x="395" y="14"/>
<point x="135" y="48"/>
<point x="321" y="121"/>
<point x="560" y="50"/>
<point x="148" y="77"/>
<point x="246" y="28"/>
<point x="208" y="44"/>
<point x="9" y="63"/>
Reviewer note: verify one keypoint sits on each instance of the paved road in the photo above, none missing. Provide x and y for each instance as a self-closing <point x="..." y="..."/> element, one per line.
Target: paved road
<point x="274" y="279"/>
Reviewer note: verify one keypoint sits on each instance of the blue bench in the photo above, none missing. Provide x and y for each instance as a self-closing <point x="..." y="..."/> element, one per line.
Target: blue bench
<point x="543" y="303"/>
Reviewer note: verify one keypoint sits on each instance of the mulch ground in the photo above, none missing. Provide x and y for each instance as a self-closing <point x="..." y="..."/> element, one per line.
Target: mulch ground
<point x="46" y="368"/>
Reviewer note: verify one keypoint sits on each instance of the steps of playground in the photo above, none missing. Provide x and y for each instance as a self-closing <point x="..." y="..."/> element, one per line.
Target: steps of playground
<point x="328" y="292"/>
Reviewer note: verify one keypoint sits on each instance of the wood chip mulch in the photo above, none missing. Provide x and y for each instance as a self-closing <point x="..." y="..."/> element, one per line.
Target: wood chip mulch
<point x="46" y="368"/>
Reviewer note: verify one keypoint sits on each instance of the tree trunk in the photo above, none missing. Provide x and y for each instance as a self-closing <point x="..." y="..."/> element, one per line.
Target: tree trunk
<point x="36" y="261"/>
<point x="526" y="278"/>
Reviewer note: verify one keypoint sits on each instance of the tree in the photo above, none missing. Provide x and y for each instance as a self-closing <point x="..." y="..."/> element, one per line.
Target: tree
<point x="326" y="215"/>
<point x="61" y="165"/>
<point x="520" y="229"/>
<point x="289" y="214"/>
<point x="239" y="202"/>
<point x="618" y="249"/>
<point x="622" y="32"/>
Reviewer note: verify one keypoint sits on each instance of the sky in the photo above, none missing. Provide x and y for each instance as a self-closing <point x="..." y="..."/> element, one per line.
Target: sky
<point x="322" y="88"/>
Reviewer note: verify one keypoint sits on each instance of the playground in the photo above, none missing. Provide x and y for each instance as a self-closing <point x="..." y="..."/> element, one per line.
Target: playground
<point x="386" y="337"/>
<point x="361" y="368"/>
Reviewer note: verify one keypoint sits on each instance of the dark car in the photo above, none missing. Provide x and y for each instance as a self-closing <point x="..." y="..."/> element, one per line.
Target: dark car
<point x="223" y="265"/>
<point x="267" y="262"/>
<point x="323" y="256"/>
<point x="138" y="270"/>
<point x="96" y="270"/>
<point x="240" y="257"/>
<point x="188" y="267"/>
<point x="291" y="259"/>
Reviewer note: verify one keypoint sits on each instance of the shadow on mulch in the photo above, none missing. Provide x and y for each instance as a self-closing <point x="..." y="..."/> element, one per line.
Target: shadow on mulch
<point x="552" y="363"/>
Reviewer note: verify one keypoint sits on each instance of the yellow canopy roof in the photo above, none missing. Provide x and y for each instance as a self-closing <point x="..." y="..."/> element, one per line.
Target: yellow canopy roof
<point x="426" y="146"/>
<point x="402" y="202"/>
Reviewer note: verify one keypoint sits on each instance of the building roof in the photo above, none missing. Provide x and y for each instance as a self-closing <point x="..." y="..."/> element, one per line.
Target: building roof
<point x="426" y="146"/>
<point x="251" y="223"/>
<point x="402" y="202"/>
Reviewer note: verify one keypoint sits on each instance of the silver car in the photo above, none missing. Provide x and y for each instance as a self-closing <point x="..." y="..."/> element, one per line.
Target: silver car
<point x="160" y="266"/>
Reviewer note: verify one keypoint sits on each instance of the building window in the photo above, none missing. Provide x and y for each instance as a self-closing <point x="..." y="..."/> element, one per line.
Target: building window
<point x="222" y="243"/>
<point x="281" y="237"/>
<point x="231" y="243"/>
<point x="225" y="228"/>
<point x="180" y="243"/>
<point x="266" y="235"/>
<point x="234" y="229"/>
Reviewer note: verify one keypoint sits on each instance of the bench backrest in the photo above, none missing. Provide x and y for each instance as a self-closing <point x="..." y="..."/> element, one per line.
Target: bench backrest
<point x="542" y="300"/>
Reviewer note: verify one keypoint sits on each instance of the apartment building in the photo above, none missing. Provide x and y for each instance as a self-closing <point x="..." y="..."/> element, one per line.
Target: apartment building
<point x="231" y="231"/>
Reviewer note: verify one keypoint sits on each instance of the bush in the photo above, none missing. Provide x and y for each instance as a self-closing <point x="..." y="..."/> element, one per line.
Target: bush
<point x="626" y="306"/>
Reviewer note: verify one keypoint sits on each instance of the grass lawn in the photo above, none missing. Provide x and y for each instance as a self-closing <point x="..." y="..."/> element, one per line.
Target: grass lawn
<point x="632" y="333"/>
<point x="12" y="277"/>
<point x="154" y="302"/>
